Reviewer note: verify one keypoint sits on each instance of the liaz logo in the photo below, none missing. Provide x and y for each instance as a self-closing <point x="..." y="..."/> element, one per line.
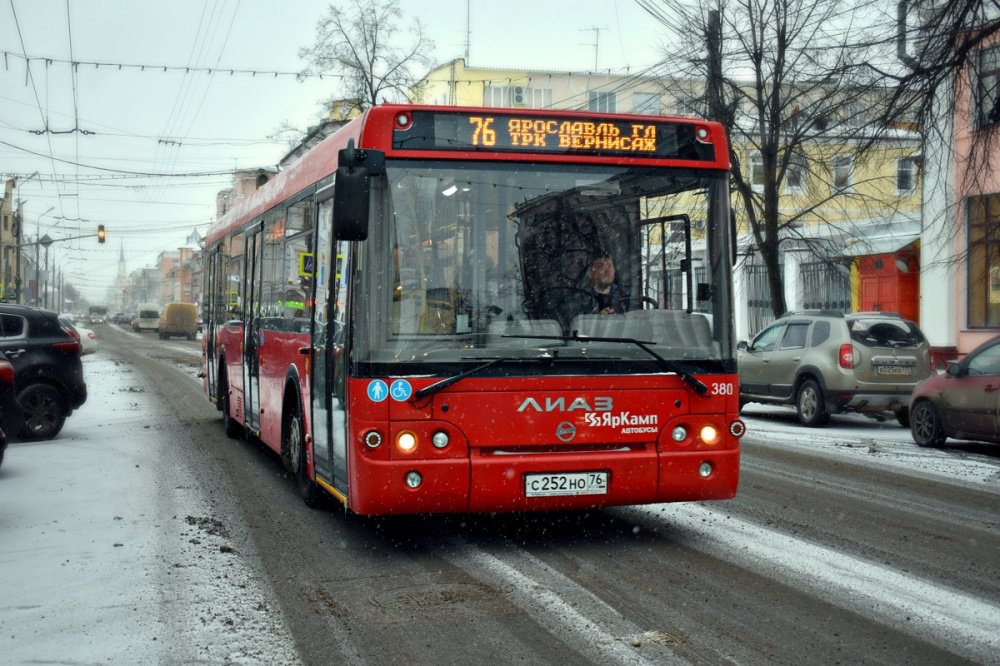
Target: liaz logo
<point x="599" y="404"/>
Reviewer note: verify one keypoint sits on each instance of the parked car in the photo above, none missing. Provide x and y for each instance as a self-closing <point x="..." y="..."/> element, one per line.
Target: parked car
<point x="47" y="368"/>
<point x="11" y="417"/>
<point x="87" y="338"/>
<point x="179" y="319"/>
<point x="828" y="362"/>
<point x="963" y="403"/>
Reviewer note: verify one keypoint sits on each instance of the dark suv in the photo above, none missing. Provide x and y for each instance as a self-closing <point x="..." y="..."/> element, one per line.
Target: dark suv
<point x="47" y="367"/>
<point x="828" y="362"/>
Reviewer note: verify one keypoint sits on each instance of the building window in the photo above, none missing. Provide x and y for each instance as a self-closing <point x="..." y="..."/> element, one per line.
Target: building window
<point x="756" y="171"/>
<point x="795" y="174"/>
<point x="603" y="102"/>
<point x="988" y="88"/>
<point x="538" y="98"/>
<point x="983" y="271"/>
<point x="496" y="96"/>
<point x="647" y="103"/>
<point x="843" y="173"/>
<point x="906" y="179"/>
<point x="686" y="104"/>
<point x="514" y="95"/>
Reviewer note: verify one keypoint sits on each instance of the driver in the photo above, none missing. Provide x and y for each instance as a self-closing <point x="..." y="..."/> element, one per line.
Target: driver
<point x="605" y="291"/>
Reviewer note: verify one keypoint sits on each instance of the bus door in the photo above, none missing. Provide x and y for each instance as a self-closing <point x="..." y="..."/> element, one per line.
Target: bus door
<point x="329" y="422"/>
<point x="251" y="332"/>
<point x="212" y="315"/>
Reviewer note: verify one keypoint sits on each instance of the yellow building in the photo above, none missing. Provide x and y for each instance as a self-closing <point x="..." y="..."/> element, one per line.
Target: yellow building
<point x="836" y="209"/>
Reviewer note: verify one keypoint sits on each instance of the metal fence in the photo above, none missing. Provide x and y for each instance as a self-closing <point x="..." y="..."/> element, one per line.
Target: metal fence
<point x="825" y="286"/>
<point x="759" y="310"/>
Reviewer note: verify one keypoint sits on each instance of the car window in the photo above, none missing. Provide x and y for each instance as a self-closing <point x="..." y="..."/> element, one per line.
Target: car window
<point x="795" y="336"/>
<point x="986" y="362"/>
<point x="11" y="326"/>
<point x="877" y="332"/>
<point x="820" y="334"/>
<point x="767" y="338"/>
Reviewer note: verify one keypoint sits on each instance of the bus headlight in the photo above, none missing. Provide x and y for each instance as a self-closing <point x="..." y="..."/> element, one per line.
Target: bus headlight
<point x="413" y="480"/>
<point x="679" y="434"/>
<point x="709" y="434"/>
<point x="406" y="441"/>
<point x="705" y="470"/>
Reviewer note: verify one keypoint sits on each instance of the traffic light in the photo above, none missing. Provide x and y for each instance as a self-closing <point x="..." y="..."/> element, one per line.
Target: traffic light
<point x="101" y="233"/>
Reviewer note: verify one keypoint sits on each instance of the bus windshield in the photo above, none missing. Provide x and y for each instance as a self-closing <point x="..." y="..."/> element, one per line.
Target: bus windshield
<point x="473" y="261"/>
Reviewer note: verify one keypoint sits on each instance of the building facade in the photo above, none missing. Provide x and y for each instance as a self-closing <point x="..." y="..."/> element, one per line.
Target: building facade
<point x="849" y="226"/>
<point x="960" y="238"/>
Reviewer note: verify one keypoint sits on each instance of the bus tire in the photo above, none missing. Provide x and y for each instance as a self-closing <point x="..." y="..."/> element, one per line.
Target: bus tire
<point x="295" y="444"/>
<point x="233" y="429"/>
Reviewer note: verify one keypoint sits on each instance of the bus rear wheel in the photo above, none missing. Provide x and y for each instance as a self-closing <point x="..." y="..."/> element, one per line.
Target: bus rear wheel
<point x="233" y="429"/>
<point x="295" y="444"/>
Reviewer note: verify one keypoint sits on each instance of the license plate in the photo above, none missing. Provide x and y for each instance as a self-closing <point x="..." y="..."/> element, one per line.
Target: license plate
<point x="894" y="370"/>
<point x="567" y="483"/>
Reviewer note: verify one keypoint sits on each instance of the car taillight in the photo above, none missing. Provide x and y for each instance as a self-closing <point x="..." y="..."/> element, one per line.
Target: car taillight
<point x="72" y="346"/>
<point x="6" y="372"/>
<point x="846" y="356"/>
<point x="72" y="332"/>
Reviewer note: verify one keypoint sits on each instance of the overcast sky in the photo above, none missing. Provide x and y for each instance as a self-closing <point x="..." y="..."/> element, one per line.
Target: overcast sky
<point x="220" y="121"/>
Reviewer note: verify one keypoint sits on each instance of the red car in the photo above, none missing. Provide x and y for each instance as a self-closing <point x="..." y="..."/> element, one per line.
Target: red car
<point x="11" y="418"/>
<point x="963" y="403"/>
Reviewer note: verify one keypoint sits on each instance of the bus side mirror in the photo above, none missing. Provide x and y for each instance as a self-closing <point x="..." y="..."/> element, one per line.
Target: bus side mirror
<point x="351" y="191"/>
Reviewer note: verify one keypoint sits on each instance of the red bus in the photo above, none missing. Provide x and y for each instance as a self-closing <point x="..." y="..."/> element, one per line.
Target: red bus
<point x="406" y="314"/>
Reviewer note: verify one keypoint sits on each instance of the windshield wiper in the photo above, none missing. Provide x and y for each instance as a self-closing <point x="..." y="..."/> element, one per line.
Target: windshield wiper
<point x="669" y="366"/>
<point x="448" y="381"/>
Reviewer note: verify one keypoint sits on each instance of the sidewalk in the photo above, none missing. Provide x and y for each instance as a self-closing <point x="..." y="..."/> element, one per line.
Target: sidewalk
<point x="110" y="552"/>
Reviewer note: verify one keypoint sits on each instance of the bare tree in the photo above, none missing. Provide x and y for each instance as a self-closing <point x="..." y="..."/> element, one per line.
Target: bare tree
<point x="794" y="83"/>
<point x="940" y="43"/>
<point x="360" y="41"/>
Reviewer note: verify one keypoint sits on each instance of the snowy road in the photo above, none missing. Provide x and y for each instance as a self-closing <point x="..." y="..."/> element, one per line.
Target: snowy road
<point x="143" y="535"/>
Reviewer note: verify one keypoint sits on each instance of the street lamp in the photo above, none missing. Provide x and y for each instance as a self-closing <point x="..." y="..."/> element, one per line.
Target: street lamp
<point x="38" y="241"/>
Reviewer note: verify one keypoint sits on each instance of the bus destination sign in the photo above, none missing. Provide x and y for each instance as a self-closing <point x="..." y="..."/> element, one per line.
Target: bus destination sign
<point x="563" y="135"/>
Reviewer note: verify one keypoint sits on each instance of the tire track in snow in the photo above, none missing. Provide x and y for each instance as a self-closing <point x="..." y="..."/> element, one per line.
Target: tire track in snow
<point x="963" y="624"/>
<point x="572" y="613"/>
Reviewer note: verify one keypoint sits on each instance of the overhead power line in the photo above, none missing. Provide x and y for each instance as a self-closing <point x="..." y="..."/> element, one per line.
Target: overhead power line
<point x="151" y="67"/>
<point x="123" y="171"/>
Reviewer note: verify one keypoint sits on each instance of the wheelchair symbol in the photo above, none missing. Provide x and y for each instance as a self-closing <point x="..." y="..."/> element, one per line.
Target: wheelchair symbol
<point x="400" y="390"/>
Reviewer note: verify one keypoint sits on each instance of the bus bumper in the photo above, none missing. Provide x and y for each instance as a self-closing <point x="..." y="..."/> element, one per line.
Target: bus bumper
<point x="487" y="483"/>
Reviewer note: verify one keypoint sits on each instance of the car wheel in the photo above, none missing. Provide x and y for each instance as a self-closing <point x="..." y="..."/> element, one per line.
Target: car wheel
<point x="44" y="412"/>
<point x="925" y="425"/>
<point x="233" y="429"/>
<point x="903" y="416"/>
<point x="810" y="404"/>
<point x="295" y="444"/>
